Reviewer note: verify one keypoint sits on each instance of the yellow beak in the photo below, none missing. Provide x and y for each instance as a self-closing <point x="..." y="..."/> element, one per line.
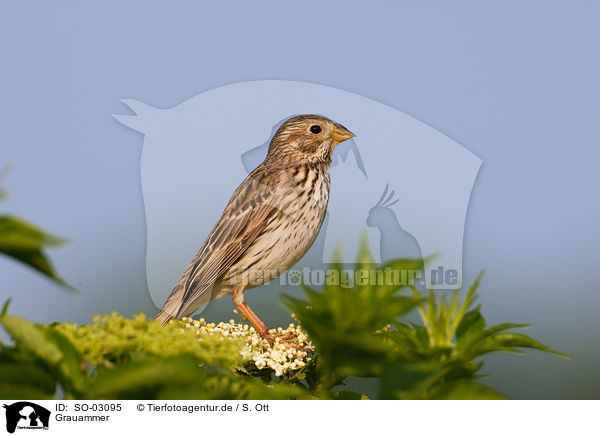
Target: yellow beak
<point x="340" y="134"/>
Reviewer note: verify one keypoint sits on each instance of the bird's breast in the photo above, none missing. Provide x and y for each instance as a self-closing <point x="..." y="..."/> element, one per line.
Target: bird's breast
<point x="290" y="234"/>
<point x="299" y="222"/>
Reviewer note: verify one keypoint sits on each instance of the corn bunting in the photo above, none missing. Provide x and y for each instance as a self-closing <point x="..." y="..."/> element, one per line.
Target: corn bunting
<point x="270" y="222"/>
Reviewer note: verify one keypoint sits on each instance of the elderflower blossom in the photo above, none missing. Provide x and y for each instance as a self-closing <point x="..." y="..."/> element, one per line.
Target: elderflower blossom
<point x="283" y="357"/>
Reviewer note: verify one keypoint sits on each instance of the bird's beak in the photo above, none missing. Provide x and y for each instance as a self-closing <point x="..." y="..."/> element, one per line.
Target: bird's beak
<point x="340" y="134"/>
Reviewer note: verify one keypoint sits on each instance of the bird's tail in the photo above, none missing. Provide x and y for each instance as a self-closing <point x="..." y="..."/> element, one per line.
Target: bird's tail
<point x="172" y="305"/>
<point x="181" y="304"/>
<point x="166" y="314"/>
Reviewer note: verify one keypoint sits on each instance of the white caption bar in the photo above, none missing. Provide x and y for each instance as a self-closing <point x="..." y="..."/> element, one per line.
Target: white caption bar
<point x="300" y="417"/>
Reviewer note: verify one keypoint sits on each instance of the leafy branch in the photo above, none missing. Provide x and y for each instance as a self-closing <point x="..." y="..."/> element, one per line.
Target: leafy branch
<point x="358" y="332"/>
<point x="26" y="243"/>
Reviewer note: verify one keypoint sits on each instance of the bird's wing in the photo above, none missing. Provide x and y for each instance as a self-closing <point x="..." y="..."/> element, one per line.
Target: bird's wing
<point x="251" y="208"/>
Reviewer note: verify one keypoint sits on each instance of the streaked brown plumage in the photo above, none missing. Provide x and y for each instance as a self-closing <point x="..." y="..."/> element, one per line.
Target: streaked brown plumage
<point x="270" y="222"/>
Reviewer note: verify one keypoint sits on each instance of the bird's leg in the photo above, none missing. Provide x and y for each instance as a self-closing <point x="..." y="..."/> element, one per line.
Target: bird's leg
<point x="260" y="326"/>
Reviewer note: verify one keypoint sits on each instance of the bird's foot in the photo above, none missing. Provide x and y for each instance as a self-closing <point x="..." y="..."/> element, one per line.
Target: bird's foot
<point x="283" y="338"/>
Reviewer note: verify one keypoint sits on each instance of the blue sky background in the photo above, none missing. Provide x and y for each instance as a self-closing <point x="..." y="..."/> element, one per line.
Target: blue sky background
<point x="515" y="82"/>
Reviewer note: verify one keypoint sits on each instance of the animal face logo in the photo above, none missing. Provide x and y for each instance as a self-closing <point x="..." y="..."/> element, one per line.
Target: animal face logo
<point x="195" y="154"/>
<point x="26" y="415"/>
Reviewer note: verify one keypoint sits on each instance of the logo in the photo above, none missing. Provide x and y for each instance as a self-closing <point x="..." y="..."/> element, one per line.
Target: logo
<point x="26" y="415"/>
<point x="402" y="183"/>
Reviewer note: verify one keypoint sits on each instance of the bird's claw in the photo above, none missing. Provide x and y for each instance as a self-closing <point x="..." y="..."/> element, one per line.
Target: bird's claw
<point x="284" y="338"/>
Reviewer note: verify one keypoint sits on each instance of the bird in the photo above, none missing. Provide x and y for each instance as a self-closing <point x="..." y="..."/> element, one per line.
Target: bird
<point x="270" y="222"/>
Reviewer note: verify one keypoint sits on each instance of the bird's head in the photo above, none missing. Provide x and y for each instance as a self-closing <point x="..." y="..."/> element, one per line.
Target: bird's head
<point x="307" y="139"/>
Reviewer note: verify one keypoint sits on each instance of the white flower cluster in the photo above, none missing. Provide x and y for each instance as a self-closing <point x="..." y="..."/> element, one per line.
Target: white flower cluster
<point x="284" y="356"/>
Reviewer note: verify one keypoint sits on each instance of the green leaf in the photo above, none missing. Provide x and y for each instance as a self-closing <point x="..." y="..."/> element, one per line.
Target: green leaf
<point x="181" y="378"/>
<point x="471" y="294"/>
<point x="403" y="273"/>
<point x="26" y="334"/>
<point x="27" y="376"/>
<point x="12" y="391"/>
<point x="5" y="308"/>
<point x="408" y="380"/>
<point x="348" y="395"/>
<point x="25" y="243"/>
<point x="471" y="322"/>
<point x="69" y="369"/>
<point x="214" y="386"/>
<point x="519" y="340"/>
<point x="52" y="348"/>
<point x="467" y="391"/>
<point x="142" y="379"/>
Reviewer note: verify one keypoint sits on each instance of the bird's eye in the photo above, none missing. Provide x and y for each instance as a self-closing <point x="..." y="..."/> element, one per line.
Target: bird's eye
<point x="315" y="129"/>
